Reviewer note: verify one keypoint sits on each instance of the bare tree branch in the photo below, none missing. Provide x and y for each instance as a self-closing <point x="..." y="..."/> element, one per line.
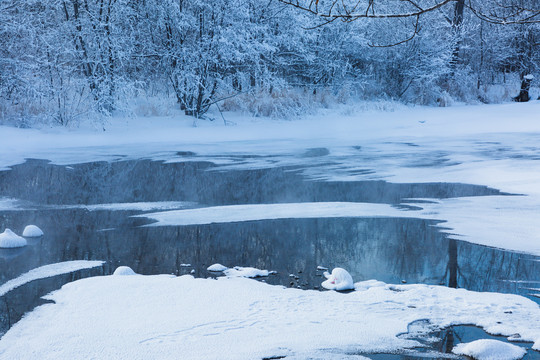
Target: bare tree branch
<point x="351" y="10"/>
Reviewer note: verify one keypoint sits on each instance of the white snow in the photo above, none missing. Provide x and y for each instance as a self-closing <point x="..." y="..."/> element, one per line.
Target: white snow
<point x="123" y="271"/>
<point x="32" y="231"/>
<point x="247" y="272"/>
<point x="488" y="349"/>
<point x="217" y="268"/>
<point x="252" y="212"/>
<point x="339" y="280"/>
<point x="8" y="239"/>
<point x="46" y="271"/>
<point x="142" y="317"/>
<point x="239" y="271"/>
<point x="507" y="222"/>
<point x="365" y="285"/>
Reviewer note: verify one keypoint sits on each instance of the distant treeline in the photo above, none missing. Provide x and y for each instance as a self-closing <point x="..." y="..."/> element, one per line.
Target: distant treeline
<point x="63" y="59"/>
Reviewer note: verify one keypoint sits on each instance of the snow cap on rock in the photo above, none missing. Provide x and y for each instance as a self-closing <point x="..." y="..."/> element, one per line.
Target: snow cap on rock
<point x="8" y="239"/>
<point x="339" y="280"/>
<point x="124" y="270"/>
<point x="217" y="268"/>
<point x="32" y="231"/>
<point x="488" y="349"/>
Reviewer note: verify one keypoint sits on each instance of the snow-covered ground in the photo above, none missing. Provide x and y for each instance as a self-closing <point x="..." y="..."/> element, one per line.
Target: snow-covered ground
<point x="237" y="318"/>
<point x="162" y="316"/>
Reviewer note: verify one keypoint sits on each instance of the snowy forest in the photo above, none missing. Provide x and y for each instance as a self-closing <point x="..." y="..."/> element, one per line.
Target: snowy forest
<point x="63" y="60"/>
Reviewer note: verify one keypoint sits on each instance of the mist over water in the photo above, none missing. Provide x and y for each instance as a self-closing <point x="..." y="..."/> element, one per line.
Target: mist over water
<point x="392" y="250"/>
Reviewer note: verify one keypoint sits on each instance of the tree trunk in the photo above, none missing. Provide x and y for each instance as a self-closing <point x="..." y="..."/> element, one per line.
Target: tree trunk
<point x="525" y="87"/>
<point x="456" y="28"/>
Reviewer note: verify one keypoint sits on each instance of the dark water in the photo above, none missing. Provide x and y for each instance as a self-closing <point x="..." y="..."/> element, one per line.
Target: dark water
<point x="387" y="249"/>
<point x="438" y="344"/>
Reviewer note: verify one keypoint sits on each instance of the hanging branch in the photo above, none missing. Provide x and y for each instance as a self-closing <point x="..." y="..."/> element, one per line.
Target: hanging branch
<point x="340" y="10"/>
<point x="416" y="31"/>
<point x="351" y="11"/>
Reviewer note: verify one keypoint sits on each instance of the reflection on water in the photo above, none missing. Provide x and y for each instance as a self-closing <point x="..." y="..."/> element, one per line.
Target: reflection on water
<point x="388" y="249"/>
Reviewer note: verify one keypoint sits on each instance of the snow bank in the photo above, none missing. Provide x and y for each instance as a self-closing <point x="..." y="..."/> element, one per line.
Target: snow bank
<point x="143" y="317"/>
<point x="8" y="239"/>
<point x="32" y="231"/>
<point x="368" y="284"/>
<point x="339" y="280"/>
<point x="253" y="212"/>
<point x="124" y="270"/>
<point x="487" y="349"/>
<point x="46" y="271"/>
<point x="247" y="272"/>
<point x="507" y="222"/>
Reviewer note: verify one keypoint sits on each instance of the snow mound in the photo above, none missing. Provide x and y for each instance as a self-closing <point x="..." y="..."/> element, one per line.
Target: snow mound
<point x="368" y="284"/>
<point x="124" y="270"/>
<point x="217" y="268"/>
<point x="8" y="239"/>
<point x="32" y="231"/>
<point x="339" y="280"/>
<point x="487" y="349"/>
<point x="247" y="272"/>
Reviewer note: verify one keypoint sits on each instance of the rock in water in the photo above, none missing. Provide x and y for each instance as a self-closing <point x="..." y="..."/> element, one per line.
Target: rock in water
<point x="32" y="231"/>
<point x="8" y="239"/>
<point x="339" y="280"/>
<point x="124" y="270"/>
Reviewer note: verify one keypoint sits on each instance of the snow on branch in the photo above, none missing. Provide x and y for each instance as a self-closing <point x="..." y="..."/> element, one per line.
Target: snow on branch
<point x="354" y="10"/>
<point x="493" y="12"/>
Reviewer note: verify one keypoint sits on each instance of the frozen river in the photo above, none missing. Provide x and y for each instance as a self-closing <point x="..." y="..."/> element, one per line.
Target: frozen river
<point x="87" y="213"/>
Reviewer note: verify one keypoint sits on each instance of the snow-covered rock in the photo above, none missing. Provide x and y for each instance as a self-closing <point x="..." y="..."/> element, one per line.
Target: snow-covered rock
<point x="124" y="270"/>
<point x="247" y="272"/>
<point x="217" y="268"/>
<point x="487" y="349"/>
<point x="32" y="231"/>
<point x="339" y="280"/>
<point x="8" y="239"/>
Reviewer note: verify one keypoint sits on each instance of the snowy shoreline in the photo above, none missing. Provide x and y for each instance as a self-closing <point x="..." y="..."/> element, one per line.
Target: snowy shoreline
<point x="490" y="145"/>
<point x="161" y="316"/>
